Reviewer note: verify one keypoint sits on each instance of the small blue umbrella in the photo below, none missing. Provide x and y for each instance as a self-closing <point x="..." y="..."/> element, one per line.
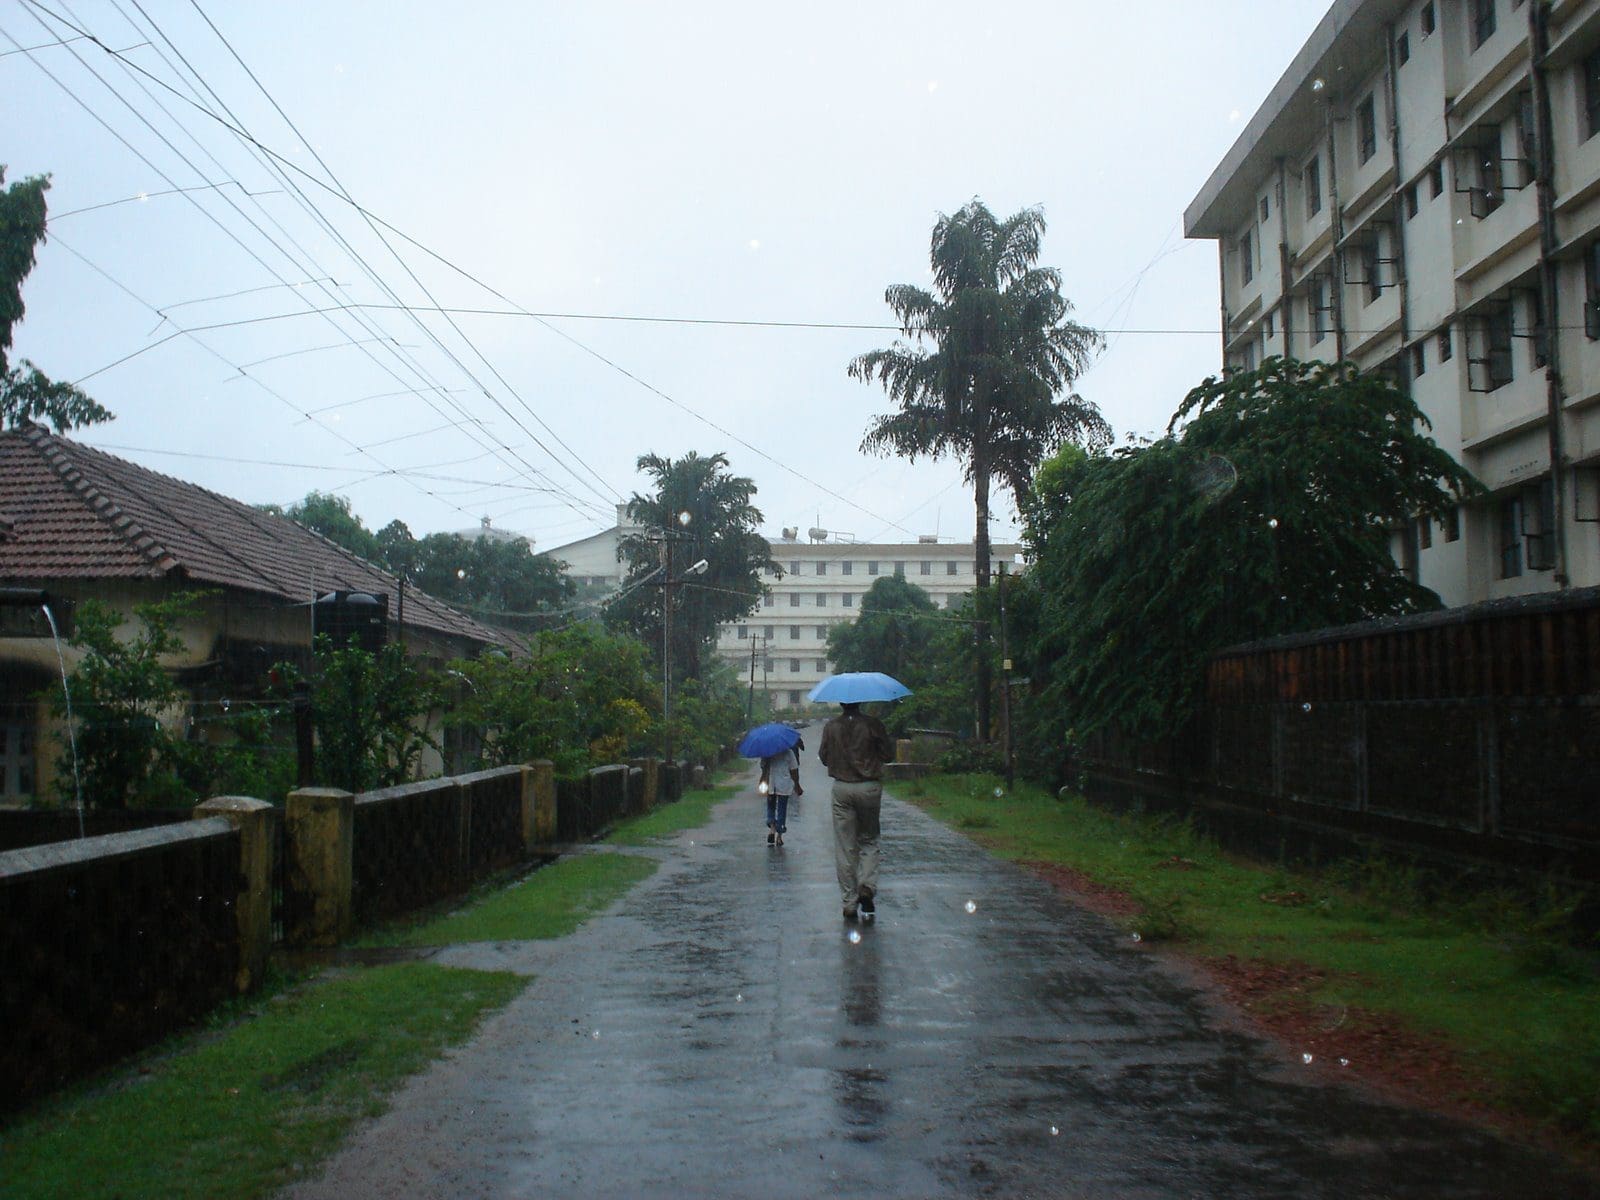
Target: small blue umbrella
<point x="859" y="687"/>
<point x="766" y="740"/>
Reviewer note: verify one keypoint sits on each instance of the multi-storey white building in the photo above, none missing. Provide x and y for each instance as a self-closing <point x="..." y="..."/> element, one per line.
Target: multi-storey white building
<point x="1420" y="193"/>
<point x="819" y="584"/>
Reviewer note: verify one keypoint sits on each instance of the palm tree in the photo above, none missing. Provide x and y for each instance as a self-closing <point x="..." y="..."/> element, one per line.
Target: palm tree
<point x="988" y="390"/>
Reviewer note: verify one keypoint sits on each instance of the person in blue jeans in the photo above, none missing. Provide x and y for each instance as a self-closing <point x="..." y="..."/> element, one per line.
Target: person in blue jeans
<point x="780" y="778"/>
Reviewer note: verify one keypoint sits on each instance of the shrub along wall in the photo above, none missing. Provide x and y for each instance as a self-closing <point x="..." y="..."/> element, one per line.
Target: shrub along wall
<point x="109" y="943"/>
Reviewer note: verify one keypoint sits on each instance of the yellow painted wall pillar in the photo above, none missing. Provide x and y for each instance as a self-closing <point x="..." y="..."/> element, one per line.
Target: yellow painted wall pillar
<point x="319" y="837"/>
<point x="652" y="780"/>
<point x="543" y="775"/>
<point x="256" y="821"/>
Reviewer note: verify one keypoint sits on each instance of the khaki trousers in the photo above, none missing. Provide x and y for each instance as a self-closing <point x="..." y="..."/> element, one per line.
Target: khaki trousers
<point x="855" y="836"/>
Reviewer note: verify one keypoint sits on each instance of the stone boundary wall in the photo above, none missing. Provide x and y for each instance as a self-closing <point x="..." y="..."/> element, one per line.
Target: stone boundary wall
<point x="109" y="944"/>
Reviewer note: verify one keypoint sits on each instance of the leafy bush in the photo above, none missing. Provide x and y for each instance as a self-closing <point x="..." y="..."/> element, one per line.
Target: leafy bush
<point x="972" y="758"/>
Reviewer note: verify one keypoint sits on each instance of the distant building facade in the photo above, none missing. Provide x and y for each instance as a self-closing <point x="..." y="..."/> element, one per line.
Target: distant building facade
<point x="592" y="562"/>
<point x="785" y="641"/>
<point x="1420" y="194"/>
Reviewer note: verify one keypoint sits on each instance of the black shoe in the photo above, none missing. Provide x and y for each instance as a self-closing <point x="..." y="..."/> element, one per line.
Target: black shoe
<point x="865" y="906"/>
<point x="771" y="837"/>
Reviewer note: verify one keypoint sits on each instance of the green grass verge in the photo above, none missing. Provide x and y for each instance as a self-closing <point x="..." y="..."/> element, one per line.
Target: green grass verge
<point x="1494" y="977"/>
<point x="550" y="903"/>
<point x="241" y="1112"/>
<point x="691" y="812"/>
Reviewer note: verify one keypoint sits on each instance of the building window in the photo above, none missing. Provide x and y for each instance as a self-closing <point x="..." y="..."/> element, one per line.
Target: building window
<point x="1511" y="537"/>
<point x="767" y="631"/>
<point x="794" y="699"/>
<point x="822" y="664"/>
<point x="1591" y="95"/>
<point x="1366" y="129"/>
<point x="766" y="665"/>
<point x="794" y="599"/>
<point x="1268" y="325"/>
<point x="1451" y="525"/>
<point x="1425" y="532"/>
<point x="1591" y="291"/>
<point x="900" y="569"/>
<point x="1445" y="347"/>
<point x="1428" y="24"/>
<point x="1311" y="177"/>
<point x="794" y="567"/>
<point x="1482" y="23"/>
<point x="744" y="632"/>
<point x="794" y="633"/>
<point x="822" y="599"/>
<point x="16" y="759"/>
<point x="847" y="567"/>
<point x="1411" y="201"/>
<point x="1264" y="209"/>
<point x="848" y="600"/>
<point x="1489" y="361"/>
<point x="822" y="632"/>
<point x="872" y="568"/>
<point x="927" y="568"/>
<point x="1419" y="359"/>
<point x="794" y="666"/>
<point x="1436" y="181"/>
<point x="1317" y="309"/>
<point x="954" y="568"/>
<point x="822" y="568"/>
<point x="1372" y="268"/>
<point x="767" y="601"/>
<point x="1402" y="48"/>
<point x="1247" y="266"/>
<point x="1541" y="336"/>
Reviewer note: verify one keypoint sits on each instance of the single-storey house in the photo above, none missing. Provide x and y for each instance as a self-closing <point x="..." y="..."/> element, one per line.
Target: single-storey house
<point x="81" y="524"/>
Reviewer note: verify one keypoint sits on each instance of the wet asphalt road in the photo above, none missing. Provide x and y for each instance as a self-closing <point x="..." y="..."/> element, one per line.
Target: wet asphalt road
<point x="717" y="1033"/>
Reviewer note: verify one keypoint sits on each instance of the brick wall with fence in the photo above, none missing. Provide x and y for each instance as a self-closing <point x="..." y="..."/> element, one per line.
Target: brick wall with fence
<point x="1470" y="735"/>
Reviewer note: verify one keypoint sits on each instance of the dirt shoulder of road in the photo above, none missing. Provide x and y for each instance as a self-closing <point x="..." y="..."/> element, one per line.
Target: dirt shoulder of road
<point x="1374" y="1050"/>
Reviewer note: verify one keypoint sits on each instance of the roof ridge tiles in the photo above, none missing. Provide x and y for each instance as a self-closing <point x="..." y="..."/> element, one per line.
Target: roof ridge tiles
<point x="54" y="450"/>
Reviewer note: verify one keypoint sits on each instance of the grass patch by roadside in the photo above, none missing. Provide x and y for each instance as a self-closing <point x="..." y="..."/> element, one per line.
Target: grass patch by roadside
<point x="690" y="812"/>
<point x="241" y="1112"/>
<point x="550" y="903"/>
<point x="1495" y="979"/>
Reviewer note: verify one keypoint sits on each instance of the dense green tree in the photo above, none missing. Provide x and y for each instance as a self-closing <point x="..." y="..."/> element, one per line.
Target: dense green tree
<point x="370" y="714"/>
<point x="26" y="393"/>
<point x="500" y="581"/>
<point x="721" y="526"/>
<point x="581" y="697"/>
<point x="334" y="519"/>
<point x="1266" y="509"/>
<point x="992" y="350"/>
<point x="891" y="633"/>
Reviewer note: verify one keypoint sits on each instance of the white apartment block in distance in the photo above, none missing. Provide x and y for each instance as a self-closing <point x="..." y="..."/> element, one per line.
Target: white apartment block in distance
<point x="820" y="584"/>
<point x="1420" y="194"/>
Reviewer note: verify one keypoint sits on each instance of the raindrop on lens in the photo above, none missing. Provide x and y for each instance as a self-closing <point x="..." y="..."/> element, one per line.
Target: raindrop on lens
<point x="855" y="936"/>
<point x="1054" y="1132"/>
<point x="1344" y="1062"/>
<point x="1306" y="1058"/>
<point x="1306" y="707"/>
<point x="595" y="1035"/>
<point x="971" y="907"/>
<point x="738" y="998"/>
<point x="1136" y="936"/>
<point x="999" y="792"/>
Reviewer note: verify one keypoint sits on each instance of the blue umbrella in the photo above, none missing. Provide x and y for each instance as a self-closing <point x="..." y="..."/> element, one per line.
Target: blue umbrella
<point x="766" y="740"/>
<point x="859" y="687"/>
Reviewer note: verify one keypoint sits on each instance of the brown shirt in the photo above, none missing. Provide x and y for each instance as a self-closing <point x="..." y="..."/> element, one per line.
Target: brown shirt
<point x="855" y="747"/>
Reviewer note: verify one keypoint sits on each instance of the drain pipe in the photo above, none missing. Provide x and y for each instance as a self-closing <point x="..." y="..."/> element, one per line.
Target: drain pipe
<point x="1549" y="244"/>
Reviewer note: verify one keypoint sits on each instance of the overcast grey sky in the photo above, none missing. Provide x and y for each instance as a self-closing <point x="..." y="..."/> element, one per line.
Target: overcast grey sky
<point x="711" y="162"/>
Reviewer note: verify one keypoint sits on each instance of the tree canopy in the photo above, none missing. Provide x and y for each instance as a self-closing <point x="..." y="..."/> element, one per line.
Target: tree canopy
<point x="891" y="633"/>
<point x="722" y="527"/>
<point x="992" y="349"/>
<point x="26" y="393"/>
<point x="501" y="581"/>
<point x="1266" y="509"/>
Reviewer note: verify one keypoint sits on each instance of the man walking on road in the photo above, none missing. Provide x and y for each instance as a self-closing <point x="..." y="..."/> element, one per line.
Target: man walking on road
<point x="854" y="748"/>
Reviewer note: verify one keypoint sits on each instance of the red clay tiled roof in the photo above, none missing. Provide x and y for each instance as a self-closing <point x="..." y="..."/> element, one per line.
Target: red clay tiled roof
<point x="68" y="512"/>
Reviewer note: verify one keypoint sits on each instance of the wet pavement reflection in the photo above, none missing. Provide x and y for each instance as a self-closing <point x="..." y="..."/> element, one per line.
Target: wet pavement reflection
<point x="719" y="1033"/>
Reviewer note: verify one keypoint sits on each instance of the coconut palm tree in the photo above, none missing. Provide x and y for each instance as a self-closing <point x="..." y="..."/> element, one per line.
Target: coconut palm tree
<point x="992" y="350"/>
